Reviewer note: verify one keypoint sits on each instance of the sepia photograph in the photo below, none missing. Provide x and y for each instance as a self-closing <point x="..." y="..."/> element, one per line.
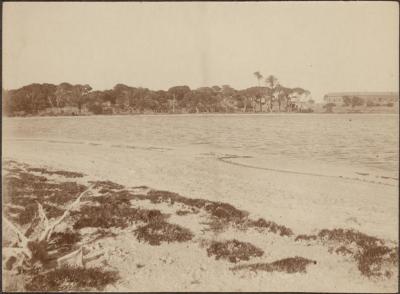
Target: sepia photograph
<point x="200" y="146"/>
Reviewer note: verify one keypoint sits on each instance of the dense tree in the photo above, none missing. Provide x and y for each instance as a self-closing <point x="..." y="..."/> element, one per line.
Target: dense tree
<point x="329" y="107"/>
<point x="177" y="94"/>
<point x="346" y="100"/>
<point x="356" y="101"/>
<point x="38" y="99"/>
<point x="272" y="89"/>
<point x="258" y="97"/>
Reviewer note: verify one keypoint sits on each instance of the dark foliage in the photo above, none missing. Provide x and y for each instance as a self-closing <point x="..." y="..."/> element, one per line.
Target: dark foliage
<point x="64" y="242"/>
<point x="372" y="255"/>
<point x="157" y="232"/>
<point x="271" y="227"/>
<point x="233" y="250"/>
<point x="67" y="99"/>
<point x="305" y="238"/>
<point x="72" y="279"/>
<point x="183" y="212"/>
<point x="288" y="265"/>
<point x="113" y="215"/>
<point x="23" y="189"/>
<point x="106" y="185"/>
<point x="39" y="252"/>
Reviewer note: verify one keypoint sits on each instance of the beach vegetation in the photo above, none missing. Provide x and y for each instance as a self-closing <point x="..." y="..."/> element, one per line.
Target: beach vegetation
<point x="233" y="250"/>
<point x="156" y="232"/>
<point x="68" y="278"/>
<point x="288" y="265"/>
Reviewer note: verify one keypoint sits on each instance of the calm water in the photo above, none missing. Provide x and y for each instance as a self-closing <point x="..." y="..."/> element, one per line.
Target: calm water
<point x="357" y="140"/>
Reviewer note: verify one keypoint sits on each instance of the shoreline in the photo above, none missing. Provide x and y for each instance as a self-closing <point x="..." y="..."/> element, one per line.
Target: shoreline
<point x="203" y="114"/>
<point x="188" y="174"/>
<point x="287" y="255"/>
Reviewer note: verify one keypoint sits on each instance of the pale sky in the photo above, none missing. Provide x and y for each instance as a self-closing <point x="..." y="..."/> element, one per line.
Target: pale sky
<point x="323" y="47"/>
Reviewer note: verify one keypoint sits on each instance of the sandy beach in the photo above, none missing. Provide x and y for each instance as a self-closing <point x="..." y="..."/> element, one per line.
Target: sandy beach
<point x="291" y="196"/>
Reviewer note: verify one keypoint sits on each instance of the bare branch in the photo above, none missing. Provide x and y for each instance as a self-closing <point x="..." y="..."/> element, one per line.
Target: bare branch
<point x="74" y="258"/>
<point x="42" y="215"/>
<point x="49" y="229"/>
<point x="23" y="240"/>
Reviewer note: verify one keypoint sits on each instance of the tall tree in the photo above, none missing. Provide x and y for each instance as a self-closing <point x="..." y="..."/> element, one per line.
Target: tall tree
<point x="272" y="85"/>
<point x="177" y="94"/>
<point x="259" y="77"/>
<point x="79" y="93"/>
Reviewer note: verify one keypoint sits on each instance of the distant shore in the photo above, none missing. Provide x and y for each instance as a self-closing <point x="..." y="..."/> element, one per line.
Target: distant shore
<point x="394" y="110"/>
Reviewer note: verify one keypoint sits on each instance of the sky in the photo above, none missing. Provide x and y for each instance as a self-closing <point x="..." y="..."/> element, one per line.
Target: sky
<point x="320" y="46"/>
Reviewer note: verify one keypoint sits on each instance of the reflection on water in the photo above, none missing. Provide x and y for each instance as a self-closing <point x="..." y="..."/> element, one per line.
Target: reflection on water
<point x="357" y="140"/>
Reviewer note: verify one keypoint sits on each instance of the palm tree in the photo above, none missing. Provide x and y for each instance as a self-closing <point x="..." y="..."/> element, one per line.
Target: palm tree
<point x="259" y="77"/>
<point x="272" y="83"/>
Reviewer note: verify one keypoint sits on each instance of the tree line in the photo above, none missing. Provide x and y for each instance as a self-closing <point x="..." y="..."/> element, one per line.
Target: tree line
<point x="36" y="99"/>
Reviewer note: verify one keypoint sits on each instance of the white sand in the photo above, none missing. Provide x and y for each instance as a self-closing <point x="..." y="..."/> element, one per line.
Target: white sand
<point x="304" y="203"/>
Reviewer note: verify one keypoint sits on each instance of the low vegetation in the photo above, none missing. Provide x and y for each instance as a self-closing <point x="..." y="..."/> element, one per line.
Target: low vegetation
<point x="106" y="186"/>
<point x="37" y="251"/>
<point x="288" y="265"/>
<point x="270" y="226"/>
<point x="157" y="232"/>
<point x="22" y="189"/>
<point x="233" y="250"/>
<point x="72" y="279"/>
<point x="30" y="198"/>
<point x="113" y="212"/>
<point x="305" y="238"/>
<point x="221" y="214"/>
<point x="373" y="257"/>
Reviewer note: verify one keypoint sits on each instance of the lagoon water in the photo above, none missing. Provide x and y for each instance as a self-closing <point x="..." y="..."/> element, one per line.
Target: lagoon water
<point x="361" y="142"/>
<point x="307" y="171"/>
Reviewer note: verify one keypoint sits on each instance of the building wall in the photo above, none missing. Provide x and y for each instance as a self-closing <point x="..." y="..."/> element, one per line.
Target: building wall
<point x="375" y="98"/>
<point x="333" y="99"/>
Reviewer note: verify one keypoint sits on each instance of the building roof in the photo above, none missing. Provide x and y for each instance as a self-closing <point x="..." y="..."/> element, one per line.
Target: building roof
<point x="362" y="94"/>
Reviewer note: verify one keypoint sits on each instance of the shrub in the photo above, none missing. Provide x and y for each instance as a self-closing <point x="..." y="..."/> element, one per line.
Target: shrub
<point x="64" y="242"/>
<point x="160" y="231"/>
<point x="271" y="226"/>
<point x="106" y="185"/>
<point x="225" y="211"/>
<point x="305" y="237"/>
<point x="72" y="279"/>
<point x="233" y="250"/>
<point x="113" y="215"/>
<point x="288" y="265"/>
<point x="183" y="212"/>
<point x="371" y="260"/>
<point x="371" y="253"/>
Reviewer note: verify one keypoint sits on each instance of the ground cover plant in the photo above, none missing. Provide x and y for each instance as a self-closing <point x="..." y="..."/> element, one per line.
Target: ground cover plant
<point x="373" y="257"/>
<point x="233" y="250"/>
<point x="72" y="279"/>
<point x="35" y="203"/>
<point x="288" y="265"/>
<point x="36" y="250"/>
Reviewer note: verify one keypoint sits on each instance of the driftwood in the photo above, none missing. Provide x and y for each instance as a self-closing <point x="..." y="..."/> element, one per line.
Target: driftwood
<point x="46" y="228"/>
